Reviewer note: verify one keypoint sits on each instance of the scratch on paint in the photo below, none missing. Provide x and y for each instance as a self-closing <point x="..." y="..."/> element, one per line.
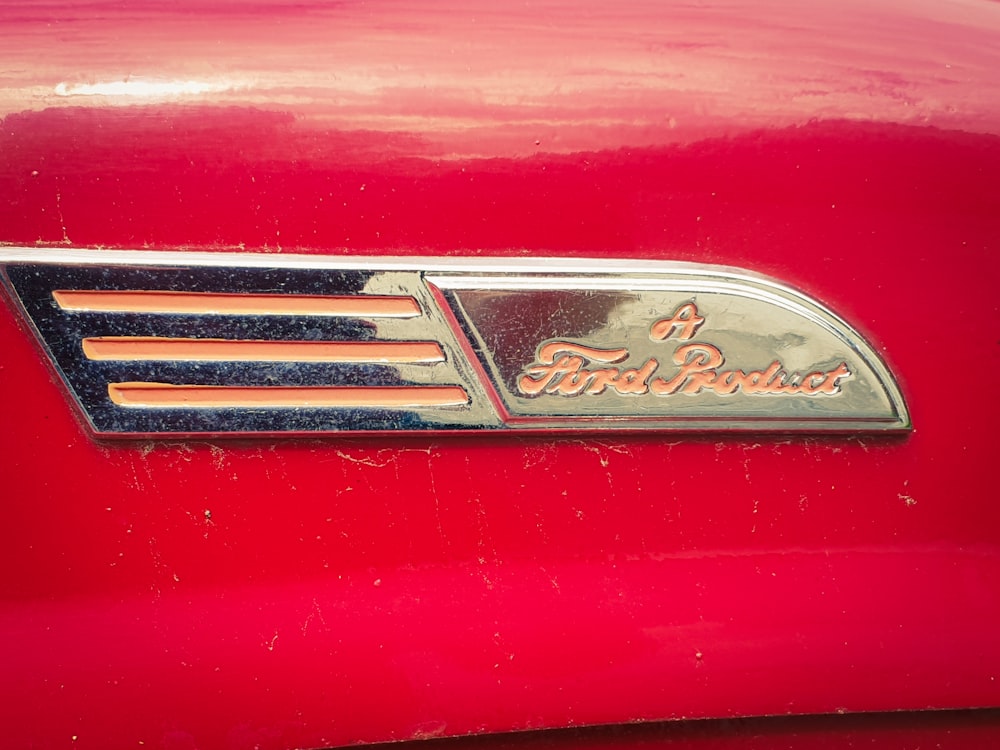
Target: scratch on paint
<point x="488" y="554"/>
<point x="364" y="461"/>
<point x="136" y="484"/>
<point x="746" y="461"/>
<point x="429" y="731"/>
<point x="437" y="502"/>
<point x="218" y="457"/>
<point x="905" y="496"/>
<point x="264" y="463"/>
<point x="277" y="457"/>
<point x="315" y="614"/>
<point x="62" y="221"/>
<point x="598" y="448"/>
<point x="552" y="578"/>
<point x="533" y="456"/>
<point x="384" y="457"/>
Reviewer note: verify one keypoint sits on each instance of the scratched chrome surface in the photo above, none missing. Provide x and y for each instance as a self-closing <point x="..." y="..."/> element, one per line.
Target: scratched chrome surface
<point x="514" y="344"/>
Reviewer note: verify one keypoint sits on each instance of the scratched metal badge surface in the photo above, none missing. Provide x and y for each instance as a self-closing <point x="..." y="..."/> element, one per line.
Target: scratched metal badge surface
<point x="192" y="343"/>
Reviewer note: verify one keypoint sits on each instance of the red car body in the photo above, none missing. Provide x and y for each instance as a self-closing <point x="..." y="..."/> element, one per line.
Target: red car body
<point x="283" y="593"/>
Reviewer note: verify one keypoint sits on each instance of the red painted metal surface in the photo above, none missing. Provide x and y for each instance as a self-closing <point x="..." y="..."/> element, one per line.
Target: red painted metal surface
<point x="306" y="593"/>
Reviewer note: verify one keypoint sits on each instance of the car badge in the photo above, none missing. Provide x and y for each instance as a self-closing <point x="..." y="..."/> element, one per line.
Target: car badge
<point x="185" y="343"/>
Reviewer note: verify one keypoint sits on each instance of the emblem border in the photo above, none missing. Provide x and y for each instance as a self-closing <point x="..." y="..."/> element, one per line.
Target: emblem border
<point x="443" y="275"/>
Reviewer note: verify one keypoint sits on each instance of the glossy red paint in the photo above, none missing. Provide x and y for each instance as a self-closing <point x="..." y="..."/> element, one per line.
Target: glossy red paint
<point x="307" y="593"/>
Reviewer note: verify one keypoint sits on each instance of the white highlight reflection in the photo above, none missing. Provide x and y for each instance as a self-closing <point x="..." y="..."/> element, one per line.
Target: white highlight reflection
<point x="144" y="88"/>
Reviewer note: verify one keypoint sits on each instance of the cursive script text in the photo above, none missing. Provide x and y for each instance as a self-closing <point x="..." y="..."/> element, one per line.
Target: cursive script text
<point x="565" y="368"/>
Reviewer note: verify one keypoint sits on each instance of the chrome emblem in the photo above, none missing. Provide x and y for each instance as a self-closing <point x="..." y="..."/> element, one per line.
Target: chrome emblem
<point x="193" y="343"/>
<point x="560" y="369"/>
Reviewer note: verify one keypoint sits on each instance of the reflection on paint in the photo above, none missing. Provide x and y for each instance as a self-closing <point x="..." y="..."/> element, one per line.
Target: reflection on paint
<point x="145" y="88"/>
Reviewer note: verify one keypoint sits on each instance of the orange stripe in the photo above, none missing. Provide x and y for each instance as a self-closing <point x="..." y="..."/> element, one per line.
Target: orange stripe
<point x="137" y="348"/>
<point x="225" y="396"/>
<point x="212" y="303"/>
